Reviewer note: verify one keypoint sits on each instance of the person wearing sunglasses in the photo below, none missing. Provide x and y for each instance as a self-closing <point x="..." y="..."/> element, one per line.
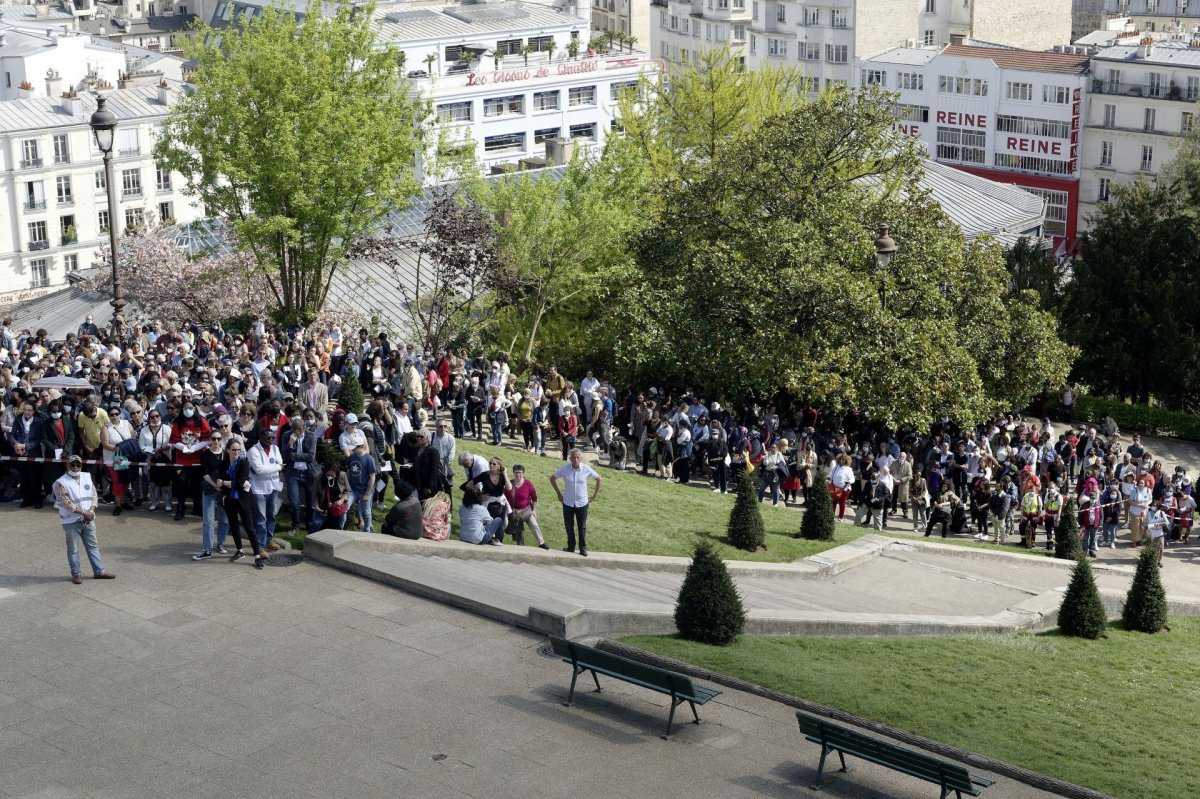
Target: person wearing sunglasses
<point x="213" y="466"/>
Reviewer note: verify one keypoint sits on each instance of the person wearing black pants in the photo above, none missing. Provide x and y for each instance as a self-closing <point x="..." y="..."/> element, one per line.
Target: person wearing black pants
<point x="573" y="495"/>
<point x="25" y="437"/>
<point x="239" y="502"/>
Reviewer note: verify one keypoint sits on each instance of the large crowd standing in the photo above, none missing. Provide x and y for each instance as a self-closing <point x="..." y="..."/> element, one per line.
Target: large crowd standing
<point x="231" y="426"/>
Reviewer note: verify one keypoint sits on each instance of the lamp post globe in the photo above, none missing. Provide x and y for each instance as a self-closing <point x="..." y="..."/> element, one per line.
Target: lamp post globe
<point x="104" y="127"/>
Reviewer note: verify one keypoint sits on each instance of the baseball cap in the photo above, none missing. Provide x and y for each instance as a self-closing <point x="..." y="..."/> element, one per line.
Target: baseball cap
<point x="351" y="418"/>
<point x="74" y="459"/>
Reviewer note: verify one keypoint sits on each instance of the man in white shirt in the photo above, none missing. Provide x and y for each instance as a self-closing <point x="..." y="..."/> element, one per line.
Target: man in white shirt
<point x="75" y="499"/>
<point x="266" y="464"/>
<point x="588" y="388"/>
<point x="574" y="496"/>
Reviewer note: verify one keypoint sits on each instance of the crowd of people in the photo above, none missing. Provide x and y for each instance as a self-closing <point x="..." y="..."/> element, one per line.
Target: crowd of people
<point x="233" y="426"/>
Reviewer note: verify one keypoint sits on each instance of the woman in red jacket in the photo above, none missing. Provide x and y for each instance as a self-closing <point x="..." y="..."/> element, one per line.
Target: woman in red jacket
<point x="568" y="428"/>
<point x="189" y="435"/>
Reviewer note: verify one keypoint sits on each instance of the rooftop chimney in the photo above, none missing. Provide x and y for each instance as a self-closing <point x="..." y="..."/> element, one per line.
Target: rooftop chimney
<point x="1145" y="47"/>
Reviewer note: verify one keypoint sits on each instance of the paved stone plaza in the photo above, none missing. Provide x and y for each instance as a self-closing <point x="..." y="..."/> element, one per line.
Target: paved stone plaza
<point x="183" y="679"/>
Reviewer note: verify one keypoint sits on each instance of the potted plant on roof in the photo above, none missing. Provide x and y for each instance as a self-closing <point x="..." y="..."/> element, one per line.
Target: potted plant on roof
<point x="551" y="46"/>
<point x="573" y="48"/>
<point x="429" y="61"/>
<point x="493" y="54"/>
<point x="525" y="51"/>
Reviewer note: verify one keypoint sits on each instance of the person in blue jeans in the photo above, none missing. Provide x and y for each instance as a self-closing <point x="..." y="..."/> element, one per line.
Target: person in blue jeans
<point x="475" y="523"/>
<point x="215" y="522"/>
<point x="76" y="500"/>
<point x="360" y="472"/>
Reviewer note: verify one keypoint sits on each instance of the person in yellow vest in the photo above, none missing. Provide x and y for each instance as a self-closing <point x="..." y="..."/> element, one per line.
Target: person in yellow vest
<point x="1053" y="512"/>
<point x="1031" y="514"/>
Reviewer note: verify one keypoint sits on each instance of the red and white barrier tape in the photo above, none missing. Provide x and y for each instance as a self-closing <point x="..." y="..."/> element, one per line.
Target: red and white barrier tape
<point x="31" y="459"/>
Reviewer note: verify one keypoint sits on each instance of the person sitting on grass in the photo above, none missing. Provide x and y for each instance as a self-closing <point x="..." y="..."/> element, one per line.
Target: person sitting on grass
<point x="475" y="524"/>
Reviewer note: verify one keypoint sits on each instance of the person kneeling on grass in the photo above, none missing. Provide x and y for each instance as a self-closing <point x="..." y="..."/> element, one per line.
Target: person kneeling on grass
<point x="475" y="524"/>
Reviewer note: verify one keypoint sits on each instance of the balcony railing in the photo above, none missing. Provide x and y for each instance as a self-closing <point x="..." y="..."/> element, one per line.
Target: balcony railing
<point x="30" y="163"/>
<point x="70" y="238"/>
<point x="39" y="245"/>
<point x="1146" y="89"/>
<point x="66" y="201"/>
<point x="62" y="159"/>
<point x="127" y="194"/>
<point x="132" y="152"/>
<point x="35" y="205"/>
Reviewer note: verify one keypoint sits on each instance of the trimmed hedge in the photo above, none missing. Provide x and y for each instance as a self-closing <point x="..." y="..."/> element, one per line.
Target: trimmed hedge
<point x="1138" y="418"/>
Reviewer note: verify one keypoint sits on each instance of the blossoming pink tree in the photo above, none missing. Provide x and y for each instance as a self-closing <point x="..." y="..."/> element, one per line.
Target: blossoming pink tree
<point x="164" y="280"/>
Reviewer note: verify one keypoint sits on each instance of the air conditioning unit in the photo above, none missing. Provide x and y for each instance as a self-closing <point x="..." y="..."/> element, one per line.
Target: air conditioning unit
<point x="910" y="43"/>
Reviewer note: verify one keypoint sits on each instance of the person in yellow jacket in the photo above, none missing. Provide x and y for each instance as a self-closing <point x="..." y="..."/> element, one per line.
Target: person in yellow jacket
<point x="1052" y="512"/>
<point x="1031" y="514"/>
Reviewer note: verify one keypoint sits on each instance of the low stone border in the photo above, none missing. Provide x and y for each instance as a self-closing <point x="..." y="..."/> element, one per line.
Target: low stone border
<point x="981" y="762"/>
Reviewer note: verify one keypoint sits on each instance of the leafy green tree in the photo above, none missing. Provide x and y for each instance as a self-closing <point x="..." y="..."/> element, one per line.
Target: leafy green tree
<point x="1031" y="267"/>
<point x="1136" y="272"/>
<point x="1082" y="614"/>
<point x="560" y="238"/>
<point x="1067" y="545"/>
<point x="302" y="132"/>
<point x="1146" y="603"/>
<point x="759" y="276"/>
<point x="709" y="609"/>
<point x="817" y="524"/>
<point x="745" y="528"/>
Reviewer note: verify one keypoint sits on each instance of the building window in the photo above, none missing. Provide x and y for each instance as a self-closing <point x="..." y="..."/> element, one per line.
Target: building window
<point x="1192" y="92"/>
<point x="1106" y="152"/>
<point x="498" y="106"/>
<point x="965" y="146"/>
<point x="1018" y="91"/>
<point x="835" y="53"/>
<point x="754" y="9"/>
<point x="837" y="18"/>
<point x="1102" y="189"/>
<point x="70" y="263"/>
<point x="617" y="88"/>
<point x="930" y="6"/>
<point x="811" y="16"/>
<point x="781" y="13"/>
<point x="504" y="143"/>
<point x="62" y="185"/>
<point x="38" y="239"/>
<point x="739" y="35"/>
<point x="1056" y="210"/>
<point x="62" y="153"/>
<point x="586" y="95"/>
<point x="910" y="80"/>
<point x="833" y="84"/>
<point x="35" y="198"/>
<point x="1030" y="126"/>
<point x="545" y="101"/>
<point x="133" y="218"/>
<point x="131" y="183"/>
<point x="777" y="48"/>
<point x="912" y="113"/>
<point x="1148" y="119"/>
<point x="1030" y="163"/>
<point x="127" y="143"/>
<point x="949" y="84"/>
<point x="38" y="273"/>
<point x="1186" y="121"/>
<point x="102" y="221"/>
<point x="584" y="131"/>
<point x="30" y="156"/>
<point x="930" y="38"/>
<point x="540" y="136"/>
<point x="541" y="44"/>
<point x="162" y="178"/>
<point x="450" y="112"/>
<point x="1110" y="115"/>
<point x="66" y="228"/>
<point x="740" y="5"/>
<point x="1147" y="158"/>
<point x="874" y="77"/>
<point x="1154" y="87"/>
<point x="166" y="213"/>
<point x="810" y="51"/>
<point x="508" y="47"/>
<point x="1057" y="95"/>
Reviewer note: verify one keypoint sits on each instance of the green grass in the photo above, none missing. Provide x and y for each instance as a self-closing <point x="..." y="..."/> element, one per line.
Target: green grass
<point x="641" y="515"/>
<point x="1116" y="715"/>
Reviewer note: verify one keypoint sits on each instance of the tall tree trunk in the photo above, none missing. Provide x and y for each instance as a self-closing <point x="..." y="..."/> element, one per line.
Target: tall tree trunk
<point x="527" y="358"/>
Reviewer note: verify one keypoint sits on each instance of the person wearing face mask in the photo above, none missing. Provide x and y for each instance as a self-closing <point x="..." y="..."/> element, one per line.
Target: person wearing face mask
<point x="75" y="500"/>
<point x="58" y="442"/>
<point x="26" y="438"/>
<point x="90" y="424"/>
<point x="238" y="501"/>
<point x="213" y="472"/>
<point x="189" y="435"/>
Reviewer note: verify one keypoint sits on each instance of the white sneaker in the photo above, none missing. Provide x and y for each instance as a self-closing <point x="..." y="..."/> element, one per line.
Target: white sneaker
<point x="1113" y="545"/>
<point x="980" y="536"/>
<point x="716" y="490"/>
<point x="496" y="543"/>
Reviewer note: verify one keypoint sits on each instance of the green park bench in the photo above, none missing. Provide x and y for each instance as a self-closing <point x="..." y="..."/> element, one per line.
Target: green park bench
<point x="845" y="741"/>
<point x="677" y="686"/>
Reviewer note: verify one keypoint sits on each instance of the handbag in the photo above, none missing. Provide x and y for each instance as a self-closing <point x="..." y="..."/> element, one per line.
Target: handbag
<point x="496" y="509"/>
<point x="339" y="508"/>
<point x="120" y="462"/>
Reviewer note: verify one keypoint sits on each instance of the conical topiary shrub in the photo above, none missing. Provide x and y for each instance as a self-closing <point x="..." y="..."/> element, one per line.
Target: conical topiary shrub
<point x="745" y="528"/>
<point x="709" y="609"/>
<point x="350" y="396"/>
<point x="1066" y="535"/>
<point x="817" y="524"/>
<point x="1082" y="613"/>
<point x="1146" y="603"/>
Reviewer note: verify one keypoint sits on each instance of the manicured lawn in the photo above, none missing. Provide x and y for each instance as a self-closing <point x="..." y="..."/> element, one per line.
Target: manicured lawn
<point x="1117" y="715"/>
<point x="643" y="515"/>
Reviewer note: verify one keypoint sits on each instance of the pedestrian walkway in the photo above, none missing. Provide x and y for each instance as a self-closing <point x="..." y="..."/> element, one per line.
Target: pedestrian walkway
<point x="201" y="680"/>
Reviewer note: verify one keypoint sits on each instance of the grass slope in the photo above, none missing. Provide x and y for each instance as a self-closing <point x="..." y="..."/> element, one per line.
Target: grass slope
<point x="642" y="515"/>
<point x="1116" y="715"/>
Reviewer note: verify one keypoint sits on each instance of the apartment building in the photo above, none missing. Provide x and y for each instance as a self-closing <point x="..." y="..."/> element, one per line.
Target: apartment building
<point x="825" y="38"/>
<point x="54" y="189"/>
<point x="1143" y="101"/>
<point x="1012" y="116"/>
<point x="624" y="16"/>
<point x="44" y="63"/>
<point x="1180" y="17"/>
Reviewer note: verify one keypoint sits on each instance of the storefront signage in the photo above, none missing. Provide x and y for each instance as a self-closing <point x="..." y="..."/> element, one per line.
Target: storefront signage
<point x="961" y="120"/>
<point x="534" y="73"/>
<point x="1032" y="146"/>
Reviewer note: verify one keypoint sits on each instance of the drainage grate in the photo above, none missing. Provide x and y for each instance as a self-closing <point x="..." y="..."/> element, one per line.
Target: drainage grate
<point x="284" y="560"/>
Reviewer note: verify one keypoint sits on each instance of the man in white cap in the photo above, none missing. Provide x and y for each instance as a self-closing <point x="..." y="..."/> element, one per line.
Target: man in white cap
<point x="351" y="437"/>
<point x="75" y="499"/>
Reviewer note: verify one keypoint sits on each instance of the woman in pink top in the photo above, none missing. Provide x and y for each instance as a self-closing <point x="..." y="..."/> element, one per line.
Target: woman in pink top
<point x="522" y="497"/>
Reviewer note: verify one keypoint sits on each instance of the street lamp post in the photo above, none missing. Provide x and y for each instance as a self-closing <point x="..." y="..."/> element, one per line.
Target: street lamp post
<point x="104" y="126"/>
<point x="885" y="250"/>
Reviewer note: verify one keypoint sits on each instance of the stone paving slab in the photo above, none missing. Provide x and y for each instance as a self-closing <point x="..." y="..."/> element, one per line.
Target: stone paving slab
<point x="311" y="683"/>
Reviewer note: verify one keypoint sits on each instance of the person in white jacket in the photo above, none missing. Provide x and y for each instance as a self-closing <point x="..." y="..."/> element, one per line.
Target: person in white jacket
<point x="266" y="464"/>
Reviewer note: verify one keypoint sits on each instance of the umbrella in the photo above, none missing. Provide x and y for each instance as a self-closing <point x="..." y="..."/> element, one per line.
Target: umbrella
<point x="62" y="383"/>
